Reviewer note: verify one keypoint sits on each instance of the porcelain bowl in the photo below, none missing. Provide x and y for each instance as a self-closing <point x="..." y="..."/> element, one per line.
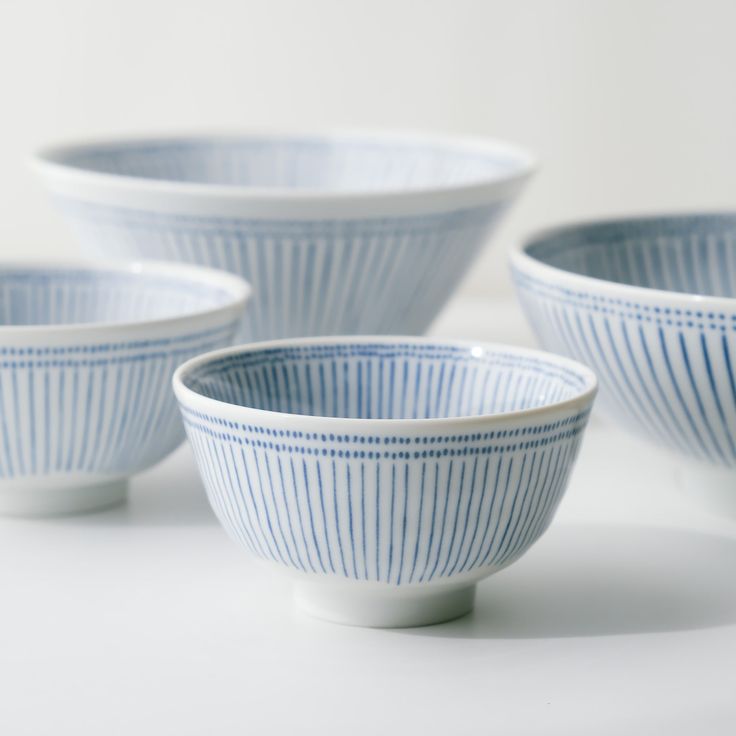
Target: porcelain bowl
<point x="649" y="305"/>
<point x="388" y="475"/>
<point x="340" y="233"/>
<point x="87" y="351"/>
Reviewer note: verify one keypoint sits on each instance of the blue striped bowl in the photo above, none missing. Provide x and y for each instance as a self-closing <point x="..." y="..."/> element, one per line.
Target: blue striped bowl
<point x="649" y="305"/>
<point x="87" y="351"/>
<point x="388" y="475"/>
<point x="340" y="234"/>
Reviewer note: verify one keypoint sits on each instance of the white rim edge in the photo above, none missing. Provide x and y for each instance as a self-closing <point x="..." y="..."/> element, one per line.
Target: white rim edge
<point x="239" y="289"/>
<point x="185" y="395"/>
<point x="520" y="258"/>
<point x="45" y="160"/>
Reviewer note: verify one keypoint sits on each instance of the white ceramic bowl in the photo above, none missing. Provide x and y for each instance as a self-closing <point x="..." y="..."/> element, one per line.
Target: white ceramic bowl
<point x="388" y="475"/>
<point x="649" y="305"/>
<point x="340" y="234"/>
<point x="87" y="351"/>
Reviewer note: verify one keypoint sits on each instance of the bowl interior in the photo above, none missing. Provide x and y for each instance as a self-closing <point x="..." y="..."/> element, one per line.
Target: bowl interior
<point x="386" y="380"/>
<point x="342" y="164"/>
<point x="695" y="255"/>
<point x="65" y="296"/>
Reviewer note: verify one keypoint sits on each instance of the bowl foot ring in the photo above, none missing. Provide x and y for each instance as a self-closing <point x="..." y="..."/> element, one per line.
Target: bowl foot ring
<point x="56" y="501"/>
<point x="395" y="609"/>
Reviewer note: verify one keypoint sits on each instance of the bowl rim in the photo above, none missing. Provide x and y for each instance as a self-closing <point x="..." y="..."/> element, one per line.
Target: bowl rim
<point x="188" y="397"/>
<point x="521" y="260"/>
<point x="48" y="160"/>
<point x="239" y="289"/>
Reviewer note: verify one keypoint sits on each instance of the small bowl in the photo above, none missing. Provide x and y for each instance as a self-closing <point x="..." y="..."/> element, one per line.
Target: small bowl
<point x="649" y="305"/>
<point x="341" y="233"/>
<point x="87" y="351"/>
<point x="389" y="475"/>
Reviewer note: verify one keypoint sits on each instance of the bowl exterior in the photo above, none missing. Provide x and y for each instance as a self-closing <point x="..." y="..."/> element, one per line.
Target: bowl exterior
<point x="397" y="510"/>
<point x="328" y="276"/>
<point x="665" y="363"/>
<point x="85" y="407"/>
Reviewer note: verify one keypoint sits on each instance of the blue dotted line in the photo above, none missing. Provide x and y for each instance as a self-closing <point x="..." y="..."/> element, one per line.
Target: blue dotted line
<point x="386" y="454"/>
<point x="671" y="316"/>
<point x="357" y="439"/>
<point x="32" y="351"/>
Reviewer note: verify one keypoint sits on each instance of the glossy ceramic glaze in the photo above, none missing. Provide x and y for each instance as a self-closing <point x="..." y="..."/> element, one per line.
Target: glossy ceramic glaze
<point x="340" y="234"/>
<point x="649" y="305"/>
<point x="87" y="351"/>
<point x="388" y="475"/>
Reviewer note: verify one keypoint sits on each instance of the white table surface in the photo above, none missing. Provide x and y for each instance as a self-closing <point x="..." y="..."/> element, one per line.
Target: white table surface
<point x="148" y="620"/>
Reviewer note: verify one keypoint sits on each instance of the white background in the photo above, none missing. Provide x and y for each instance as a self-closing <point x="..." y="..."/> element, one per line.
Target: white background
<point x="630" y="105"/>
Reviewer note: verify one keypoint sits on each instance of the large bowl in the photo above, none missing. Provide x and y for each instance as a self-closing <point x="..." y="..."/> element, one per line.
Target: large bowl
<point x="389" y="475"/>
<point x="340" y="234"/>
<point x="649" y="305"/>
<point x="87" y="351"/>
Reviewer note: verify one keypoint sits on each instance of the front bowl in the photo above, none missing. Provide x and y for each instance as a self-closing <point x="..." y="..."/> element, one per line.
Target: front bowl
<point x="649" y="305"/>
<point x="388" y="474"/>
<point x="87" y="351"/>
<point x="342" y="234"/>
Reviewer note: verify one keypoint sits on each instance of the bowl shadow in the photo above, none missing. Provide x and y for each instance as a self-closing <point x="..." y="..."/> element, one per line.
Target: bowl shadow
<point x="600" y="580"/>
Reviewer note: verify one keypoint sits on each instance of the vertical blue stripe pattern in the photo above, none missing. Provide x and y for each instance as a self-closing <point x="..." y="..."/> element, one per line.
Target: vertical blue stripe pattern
<point x="336" y="379"/>
<point x="407" y="506"/>
<point x="47" y="296"/>
<point x="345" y="164"/>
<point x="664" y="360"/>
<point x="97" y="402"/>
<point x="341" y="273"/>
<point x="311" y="277"/>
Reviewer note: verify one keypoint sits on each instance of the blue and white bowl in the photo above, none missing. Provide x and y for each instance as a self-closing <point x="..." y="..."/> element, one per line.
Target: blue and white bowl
<point x="340" y="234"/>
<point x="649" y="305"/>
<point x="389" y="475"/>
<point x="87" y="351"/>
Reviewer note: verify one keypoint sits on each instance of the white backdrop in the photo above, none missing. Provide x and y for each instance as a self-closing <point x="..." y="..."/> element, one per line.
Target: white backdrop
<point x="630" y="105"/>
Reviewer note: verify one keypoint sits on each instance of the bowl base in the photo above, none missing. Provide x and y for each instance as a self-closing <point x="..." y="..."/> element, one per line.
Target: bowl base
<point x="53" y="500"/>
<point x="395" y="609"/>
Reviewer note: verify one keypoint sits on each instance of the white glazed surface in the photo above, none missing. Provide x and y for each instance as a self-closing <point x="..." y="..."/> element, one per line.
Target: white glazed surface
<point x="340" y="233"/>
<point x="86" y="354"/>
<point x="664" y="355"/>
<point x="393" y="509"/>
